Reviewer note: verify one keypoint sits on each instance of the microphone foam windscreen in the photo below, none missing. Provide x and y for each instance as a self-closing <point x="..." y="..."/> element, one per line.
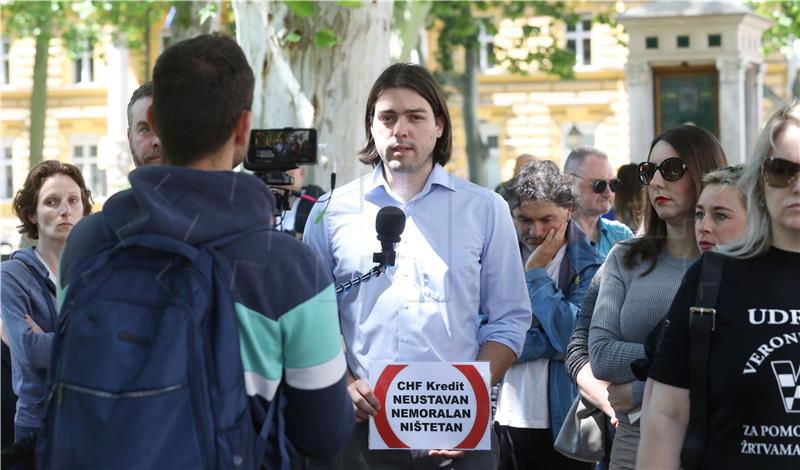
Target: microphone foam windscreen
<point x="390" y="223"/>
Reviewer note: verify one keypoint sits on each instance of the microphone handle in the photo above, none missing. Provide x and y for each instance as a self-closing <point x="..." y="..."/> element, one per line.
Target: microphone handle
<point x="357" y="280"/>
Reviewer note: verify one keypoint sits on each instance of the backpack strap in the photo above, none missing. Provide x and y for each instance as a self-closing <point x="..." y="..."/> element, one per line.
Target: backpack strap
<point x="702" y="323"/>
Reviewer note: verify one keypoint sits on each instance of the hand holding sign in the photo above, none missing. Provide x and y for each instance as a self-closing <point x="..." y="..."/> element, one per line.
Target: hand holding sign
<point x="364" y="402"/>
<point x="439" y="406"/>
<point x="447" y="454"/>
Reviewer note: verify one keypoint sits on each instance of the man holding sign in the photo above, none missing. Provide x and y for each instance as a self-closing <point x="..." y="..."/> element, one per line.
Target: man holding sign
<point x="457" y="256"/>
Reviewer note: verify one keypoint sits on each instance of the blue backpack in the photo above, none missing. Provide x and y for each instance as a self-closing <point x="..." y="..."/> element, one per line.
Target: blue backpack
<point x="146" y="370"/>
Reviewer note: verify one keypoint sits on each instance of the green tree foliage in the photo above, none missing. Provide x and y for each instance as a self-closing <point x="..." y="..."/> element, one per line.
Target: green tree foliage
<point x="459" y="26"/>
<point x="785" y="15"/>
<point x="79" y="24"/>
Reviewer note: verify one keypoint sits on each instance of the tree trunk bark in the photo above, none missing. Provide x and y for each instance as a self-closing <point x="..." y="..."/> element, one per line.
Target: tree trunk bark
<point x="477" y="152"/>
<point x="39" y="95"/>
<point x="409" y="25"/>
<point x="303" y="85"/>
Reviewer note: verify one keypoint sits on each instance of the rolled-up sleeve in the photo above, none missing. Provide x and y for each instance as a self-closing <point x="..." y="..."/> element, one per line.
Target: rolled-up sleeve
<point x="504" y="296"/>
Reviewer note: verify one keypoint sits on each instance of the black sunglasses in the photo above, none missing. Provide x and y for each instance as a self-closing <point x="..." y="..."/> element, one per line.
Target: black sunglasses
<point x="672" y="169"/>
<point x="598" y="186"/>
<point x="779" y="173"/>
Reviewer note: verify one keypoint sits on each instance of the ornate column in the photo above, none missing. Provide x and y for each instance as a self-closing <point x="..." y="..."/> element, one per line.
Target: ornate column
<point x="732" y="122"/>
<point x="639" y="80"/>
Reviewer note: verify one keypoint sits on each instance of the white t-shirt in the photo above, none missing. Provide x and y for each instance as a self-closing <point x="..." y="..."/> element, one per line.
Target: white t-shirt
<point x="50" y="274"/>
<point x="522" y="401"/>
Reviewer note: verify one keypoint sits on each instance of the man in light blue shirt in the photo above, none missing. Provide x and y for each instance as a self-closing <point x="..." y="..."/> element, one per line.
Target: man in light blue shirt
<point x="595" y="184"/>
<point x="457" y="256"/>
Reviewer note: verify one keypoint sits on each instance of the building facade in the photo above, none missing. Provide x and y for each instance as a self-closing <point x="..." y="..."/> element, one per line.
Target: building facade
<point x="704" y="58"/>
<point x="653" y="59"/>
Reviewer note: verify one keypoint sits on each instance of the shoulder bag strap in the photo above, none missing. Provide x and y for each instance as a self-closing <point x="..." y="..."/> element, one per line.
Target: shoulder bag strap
<point x="702" y="322"/>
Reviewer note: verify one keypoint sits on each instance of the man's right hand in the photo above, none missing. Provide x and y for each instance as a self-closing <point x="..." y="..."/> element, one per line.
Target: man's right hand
<point x="364" y="402"/>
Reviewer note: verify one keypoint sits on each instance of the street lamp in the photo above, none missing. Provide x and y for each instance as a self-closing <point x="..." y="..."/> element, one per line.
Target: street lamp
<point x="574" y="137"/>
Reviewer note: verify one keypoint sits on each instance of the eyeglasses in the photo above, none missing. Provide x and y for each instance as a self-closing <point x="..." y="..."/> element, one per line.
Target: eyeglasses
<point x="599" y="186"/>
<point x="779" y="173"/>
<point x="672" y="169"/>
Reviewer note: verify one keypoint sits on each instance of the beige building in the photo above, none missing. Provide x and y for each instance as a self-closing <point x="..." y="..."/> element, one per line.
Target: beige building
<point x="85" y="121"/>
<point x="535" y="113"/>
<point x="547" y="116"/>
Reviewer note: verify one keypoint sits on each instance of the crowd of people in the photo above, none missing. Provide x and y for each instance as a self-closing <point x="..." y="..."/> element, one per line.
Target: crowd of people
<point x="565" y="303"/>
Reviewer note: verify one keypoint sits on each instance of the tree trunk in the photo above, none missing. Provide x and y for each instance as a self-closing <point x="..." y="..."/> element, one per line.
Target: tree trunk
<point x="477" y="153"/>
<point x="409" y="24"/>
<point x="39" y="95"/>
<point x="303" y="85"/>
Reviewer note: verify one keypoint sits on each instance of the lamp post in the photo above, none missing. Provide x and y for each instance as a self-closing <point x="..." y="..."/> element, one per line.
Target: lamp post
<point x="574" y="137"/>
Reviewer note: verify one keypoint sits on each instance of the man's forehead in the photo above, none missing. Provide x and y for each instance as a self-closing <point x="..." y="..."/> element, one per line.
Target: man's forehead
<point x="540" y="209"/>
<point x="596" y="164"/>
<point x="401" y="100"/>
<point x="139" y="109"/>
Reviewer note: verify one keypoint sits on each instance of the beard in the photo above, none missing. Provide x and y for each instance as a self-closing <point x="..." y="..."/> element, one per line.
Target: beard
<point x="148" y="158"/>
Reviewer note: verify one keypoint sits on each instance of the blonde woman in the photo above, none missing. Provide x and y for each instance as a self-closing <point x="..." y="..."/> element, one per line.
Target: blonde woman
<point x="753" y="405"/>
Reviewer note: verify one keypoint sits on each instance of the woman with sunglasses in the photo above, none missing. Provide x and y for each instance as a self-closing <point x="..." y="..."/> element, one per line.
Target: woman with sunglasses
<point x="641" y="276"/>
<point x="754" y="363"/>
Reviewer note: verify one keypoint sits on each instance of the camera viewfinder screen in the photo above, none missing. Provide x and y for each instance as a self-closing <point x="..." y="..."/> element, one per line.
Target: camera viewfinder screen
<point x="298" y="146"/>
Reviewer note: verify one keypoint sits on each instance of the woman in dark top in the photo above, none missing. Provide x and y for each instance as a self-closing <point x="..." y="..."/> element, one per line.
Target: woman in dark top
<point x="754" y="364"/>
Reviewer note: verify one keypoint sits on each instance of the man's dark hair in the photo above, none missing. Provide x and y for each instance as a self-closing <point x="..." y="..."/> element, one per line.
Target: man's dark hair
<point x="201" y="87"/>
<point x="145" y="90"/>
<point x="416" y="78"/>
<point x="542" y="181"/>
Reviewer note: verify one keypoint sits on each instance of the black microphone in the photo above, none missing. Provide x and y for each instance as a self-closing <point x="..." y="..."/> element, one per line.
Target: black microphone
<point x="389" y="223"/>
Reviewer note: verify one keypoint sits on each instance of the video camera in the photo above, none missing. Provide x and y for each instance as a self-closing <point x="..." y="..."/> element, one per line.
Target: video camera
<point x="273" y="152"/>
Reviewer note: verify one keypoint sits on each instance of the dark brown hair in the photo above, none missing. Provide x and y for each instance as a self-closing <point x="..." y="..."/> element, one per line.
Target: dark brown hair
<point x="201" y="87"/>
<point x="702" y="153"/>
<point x="145" y="90"/>
<point x="28" y="197"/>
<point x="416" y="78"/>
<point x="630" y="198"/>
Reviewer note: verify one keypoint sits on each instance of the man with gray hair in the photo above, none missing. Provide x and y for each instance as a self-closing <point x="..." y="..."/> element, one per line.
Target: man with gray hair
<point x="595" y="184"/>
<point x="144" y="143"/>
<point x="536" y="392"/>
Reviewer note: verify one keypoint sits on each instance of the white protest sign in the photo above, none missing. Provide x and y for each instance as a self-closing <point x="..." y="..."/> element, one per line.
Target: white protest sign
<point x="430" y="405"/>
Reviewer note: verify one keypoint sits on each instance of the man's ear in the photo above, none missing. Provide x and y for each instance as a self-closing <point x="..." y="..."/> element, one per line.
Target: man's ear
<point x="242" y="129"/>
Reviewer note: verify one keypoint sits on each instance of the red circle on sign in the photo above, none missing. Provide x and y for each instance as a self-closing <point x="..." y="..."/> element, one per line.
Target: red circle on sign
<point x="381" y="423"/>
<point x="475" y="380"/>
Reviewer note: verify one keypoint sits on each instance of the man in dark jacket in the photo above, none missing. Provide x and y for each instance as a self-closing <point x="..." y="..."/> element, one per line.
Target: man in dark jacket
<point x="283" y="295"/>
